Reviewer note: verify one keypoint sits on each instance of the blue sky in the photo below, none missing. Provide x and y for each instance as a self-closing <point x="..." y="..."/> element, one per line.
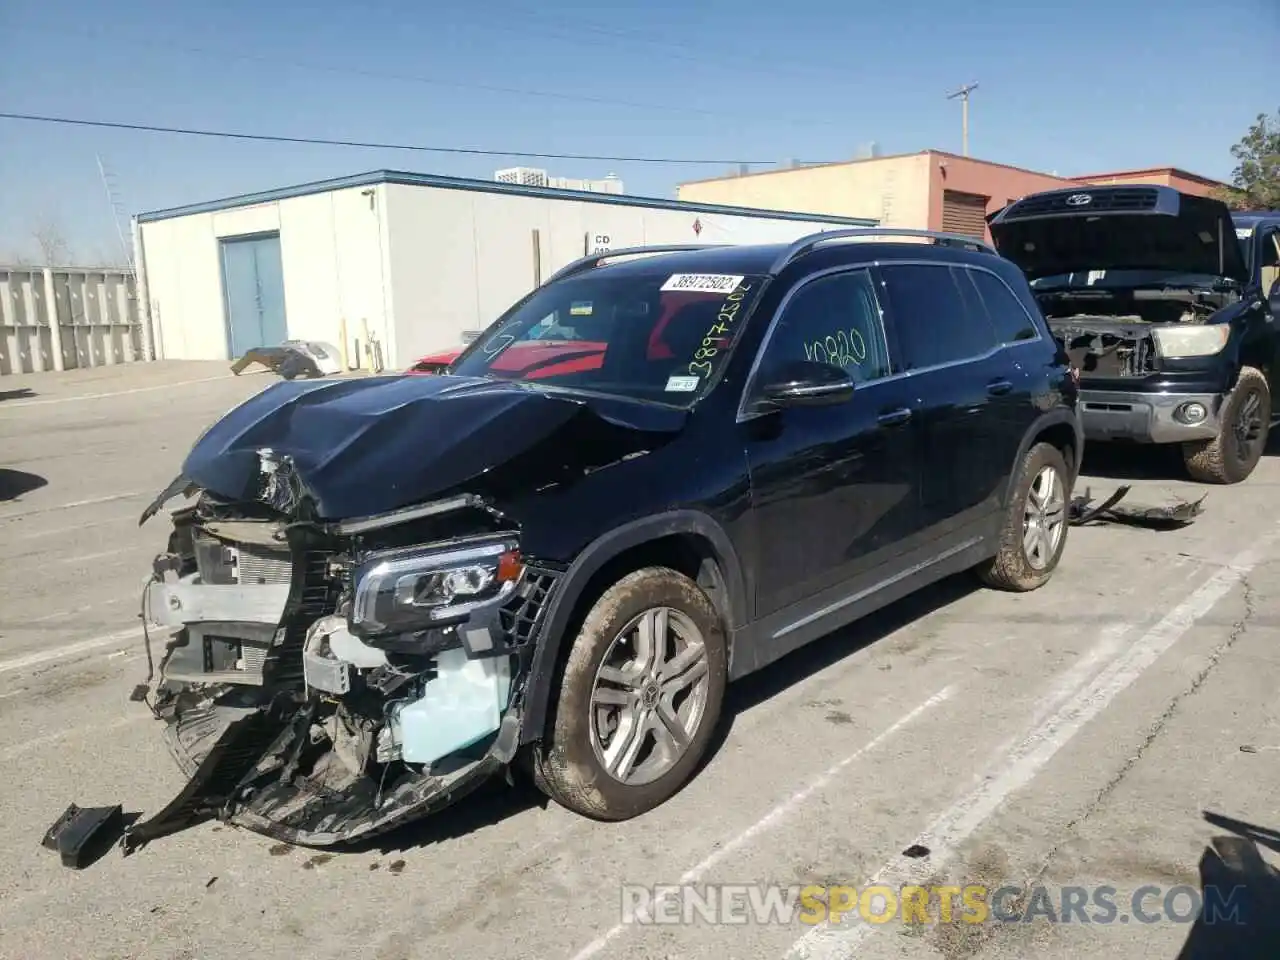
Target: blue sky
<point x="1077" y="88"/>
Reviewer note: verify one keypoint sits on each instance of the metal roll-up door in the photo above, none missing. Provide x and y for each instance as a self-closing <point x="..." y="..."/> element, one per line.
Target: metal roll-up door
<point x="964" y="213"/>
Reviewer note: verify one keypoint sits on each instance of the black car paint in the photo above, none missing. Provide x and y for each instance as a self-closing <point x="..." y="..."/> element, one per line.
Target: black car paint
<point x="415" y="438"/>
<point x="802" y="518"/>
<point x="1118" y="228"/>
<point x="1119" y="238"/>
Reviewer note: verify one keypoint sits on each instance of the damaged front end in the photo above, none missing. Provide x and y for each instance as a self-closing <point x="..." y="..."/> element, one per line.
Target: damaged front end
<point x="1121" y="334"/>
<point x="327" y="681"/>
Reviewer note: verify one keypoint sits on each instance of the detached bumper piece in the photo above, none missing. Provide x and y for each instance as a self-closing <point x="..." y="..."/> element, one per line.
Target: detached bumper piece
<point x="1170" y="516"/>
<point x="82" y="833"/>
<point x="212" y="784"/>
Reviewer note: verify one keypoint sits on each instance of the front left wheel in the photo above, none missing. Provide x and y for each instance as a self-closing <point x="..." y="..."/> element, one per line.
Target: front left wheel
<point x="639" y="698"/>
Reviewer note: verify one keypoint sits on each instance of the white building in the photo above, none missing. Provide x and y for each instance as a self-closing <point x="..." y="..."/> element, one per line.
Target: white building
<point x="407" y="263"/>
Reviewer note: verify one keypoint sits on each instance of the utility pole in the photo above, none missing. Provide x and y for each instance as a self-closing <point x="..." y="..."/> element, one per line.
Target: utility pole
<point x="963" y="96"/>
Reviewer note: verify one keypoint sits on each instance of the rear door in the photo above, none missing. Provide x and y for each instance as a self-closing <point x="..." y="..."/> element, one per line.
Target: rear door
<point x="962" y="385"/>
<point x="1027" y="357"/>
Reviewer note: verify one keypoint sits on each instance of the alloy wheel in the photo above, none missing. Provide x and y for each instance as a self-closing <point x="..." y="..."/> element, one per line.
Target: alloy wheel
<point x="1044" y="518"/>
<point x="649" y="696"/>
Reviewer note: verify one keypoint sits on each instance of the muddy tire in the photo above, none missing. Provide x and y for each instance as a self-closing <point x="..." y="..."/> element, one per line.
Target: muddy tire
<point x="1035" y="527"/>
<point x="639" y="699"/>
<point x="1246" y="419"/>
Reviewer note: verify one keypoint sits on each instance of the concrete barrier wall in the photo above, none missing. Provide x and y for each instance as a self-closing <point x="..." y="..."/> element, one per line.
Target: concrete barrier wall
<point x="61" y="319"/>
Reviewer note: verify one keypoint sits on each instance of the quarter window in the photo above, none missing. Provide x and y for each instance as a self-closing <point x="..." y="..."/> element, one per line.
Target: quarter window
<point x="835" y="320"/>
<point x="1007" y="313"/>
<point x="933" y="322"/>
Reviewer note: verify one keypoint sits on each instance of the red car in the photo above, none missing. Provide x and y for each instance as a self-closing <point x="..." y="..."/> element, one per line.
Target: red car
<point x="536" y="359"/>
<point x="521" y="358"/>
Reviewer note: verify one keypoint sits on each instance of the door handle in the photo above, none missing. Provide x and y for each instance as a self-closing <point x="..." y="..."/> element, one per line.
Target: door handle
<point x="998" y="388"/>
<point x="892" y="418"/>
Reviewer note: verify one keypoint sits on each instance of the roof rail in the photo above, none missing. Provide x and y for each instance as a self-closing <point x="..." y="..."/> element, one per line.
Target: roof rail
<point x="806" y="244"/>
<point x="587" y="263"/>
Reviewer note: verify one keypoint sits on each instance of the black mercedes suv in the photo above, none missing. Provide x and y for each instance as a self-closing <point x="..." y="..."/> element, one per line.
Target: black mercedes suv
<point x="661" y="470"/>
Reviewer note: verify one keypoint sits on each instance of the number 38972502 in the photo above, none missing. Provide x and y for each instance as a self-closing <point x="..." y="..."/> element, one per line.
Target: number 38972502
<point x="716" y="335"/>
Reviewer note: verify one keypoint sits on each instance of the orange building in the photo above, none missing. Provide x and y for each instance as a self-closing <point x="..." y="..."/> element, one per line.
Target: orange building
<point x="932" y="189"/>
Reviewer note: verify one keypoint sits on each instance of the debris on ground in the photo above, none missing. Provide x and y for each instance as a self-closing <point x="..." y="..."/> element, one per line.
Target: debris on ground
<point x="293" y="358"/>
<point x="81" y="834"/>
<point x="1170" y="516"/>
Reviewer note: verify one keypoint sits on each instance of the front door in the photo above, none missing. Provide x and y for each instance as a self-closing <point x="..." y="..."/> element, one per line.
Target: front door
<point x="963" y="386"/>
<point x="253" y="291"/>
<point x="833" y="487"/>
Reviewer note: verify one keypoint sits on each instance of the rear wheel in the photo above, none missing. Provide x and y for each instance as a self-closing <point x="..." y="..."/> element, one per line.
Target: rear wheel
<point x="1246" y="420"/>
<point x="639" y="699"/>
<point x="1035" y="527"/>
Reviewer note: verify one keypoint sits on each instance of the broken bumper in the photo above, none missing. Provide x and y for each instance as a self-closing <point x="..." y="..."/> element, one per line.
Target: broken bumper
<point x="1149" y="417"/>
<point x="288" y="724"/>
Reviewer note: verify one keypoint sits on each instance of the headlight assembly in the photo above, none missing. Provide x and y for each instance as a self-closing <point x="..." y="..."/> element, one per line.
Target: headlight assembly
<point x="402" y="591"/>
<point x="1191" y="341"/>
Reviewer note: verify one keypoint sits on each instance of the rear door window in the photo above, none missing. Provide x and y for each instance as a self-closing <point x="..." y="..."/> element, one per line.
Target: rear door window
<point x="934" y="323"/>
<point x="1008" y="315"/>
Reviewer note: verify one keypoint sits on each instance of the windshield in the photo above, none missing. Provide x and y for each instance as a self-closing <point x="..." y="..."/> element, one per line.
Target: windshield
<point x="653" y="336"/>
<point x="1125" y="279"/>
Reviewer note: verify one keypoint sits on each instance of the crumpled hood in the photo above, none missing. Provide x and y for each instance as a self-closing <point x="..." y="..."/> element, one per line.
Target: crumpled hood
<point x="365" y="446"/>
<point x="1118" y="228"/>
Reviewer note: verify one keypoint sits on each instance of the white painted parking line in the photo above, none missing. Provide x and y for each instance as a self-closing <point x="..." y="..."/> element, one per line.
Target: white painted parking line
<point x="91" y="645"/>
<point x="15" y="404"/>
<point x="93" y="501"/>
<point x="86" y="557"/>
<point x="64" y="614"/>
<point x="694" y="874"/>
<point x="49" y="738"/>
<point x="73" y="527"/>
<point x="1019" y="766"/>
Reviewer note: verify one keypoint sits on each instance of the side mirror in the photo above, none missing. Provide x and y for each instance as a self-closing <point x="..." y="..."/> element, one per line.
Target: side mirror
<point x="807" y="383"/>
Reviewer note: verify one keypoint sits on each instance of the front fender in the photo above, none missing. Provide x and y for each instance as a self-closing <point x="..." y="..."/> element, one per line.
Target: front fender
<point x="551" y="639"/>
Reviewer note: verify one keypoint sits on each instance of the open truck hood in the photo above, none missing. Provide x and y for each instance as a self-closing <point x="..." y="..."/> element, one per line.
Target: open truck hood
<point x="1118" y="228"/>
<point x="366" y="446"/>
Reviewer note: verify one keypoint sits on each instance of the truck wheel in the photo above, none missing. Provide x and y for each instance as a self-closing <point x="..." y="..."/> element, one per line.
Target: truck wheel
<point x="1035" y="526"/>
<point x="1246" y="419"/>
<point x="639" y="699"/>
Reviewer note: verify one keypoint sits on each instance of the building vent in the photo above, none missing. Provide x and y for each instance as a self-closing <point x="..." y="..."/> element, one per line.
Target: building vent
<point x="522" y="176"/>
<point x="964" y="213"/>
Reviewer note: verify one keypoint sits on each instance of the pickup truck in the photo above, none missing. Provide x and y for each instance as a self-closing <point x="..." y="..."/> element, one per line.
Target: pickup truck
<point x="1167" y="303"/>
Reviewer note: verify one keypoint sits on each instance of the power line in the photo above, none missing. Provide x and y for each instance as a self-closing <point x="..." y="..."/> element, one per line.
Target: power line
<point x="223" y="55"/>
<point x="320" y="141"/>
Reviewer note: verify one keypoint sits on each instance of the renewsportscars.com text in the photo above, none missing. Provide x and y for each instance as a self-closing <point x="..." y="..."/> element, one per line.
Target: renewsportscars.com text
<point x="764" y="904"/>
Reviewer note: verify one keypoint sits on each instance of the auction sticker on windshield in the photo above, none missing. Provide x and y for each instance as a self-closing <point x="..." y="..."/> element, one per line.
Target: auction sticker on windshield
<point x="702" y="283"/>
<point x="682" y="384"/>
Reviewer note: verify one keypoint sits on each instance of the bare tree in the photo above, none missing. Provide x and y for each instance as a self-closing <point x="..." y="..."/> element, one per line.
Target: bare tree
<point x="54" y="249"/>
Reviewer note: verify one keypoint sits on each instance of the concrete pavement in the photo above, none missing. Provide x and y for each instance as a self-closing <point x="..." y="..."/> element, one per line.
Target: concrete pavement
<point x="1070" y="737"/>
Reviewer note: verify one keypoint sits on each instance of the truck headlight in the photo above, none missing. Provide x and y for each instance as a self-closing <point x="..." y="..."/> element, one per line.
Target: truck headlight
<point x="1191" y="341"/>
<point x="405" y="590"/>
